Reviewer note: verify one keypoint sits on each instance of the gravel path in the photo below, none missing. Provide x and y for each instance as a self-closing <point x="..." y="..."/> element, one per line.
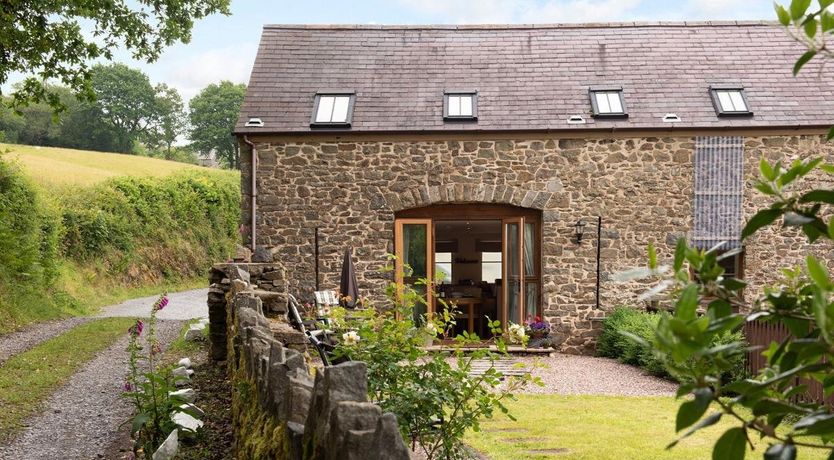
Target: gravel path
<point x="571" y="374"/>
<point x="20" y="341"/>
<point x="80" y="418"/>
<point x="183" y="305"/>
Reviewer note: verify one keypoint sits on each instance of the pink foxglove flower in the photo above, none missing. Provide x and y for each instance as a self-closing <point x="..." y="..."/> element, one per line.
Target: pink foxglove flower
<point x="136" y="329"/>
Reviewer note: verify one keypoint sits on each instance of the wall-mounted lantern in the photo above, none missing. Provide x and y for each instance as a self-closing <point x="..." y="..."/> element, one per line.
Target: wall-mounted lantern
<point x="579" y="227"/>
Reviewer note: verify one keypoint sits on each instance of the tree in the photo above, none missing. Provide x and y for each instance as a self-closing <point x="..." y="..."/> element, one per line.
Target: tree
<point x="802" y="301"/>
<point x="213" y="114"/>
<point x="43" y="39"/>
<point x="127" y="101"/>
<point x="170" y="120"/>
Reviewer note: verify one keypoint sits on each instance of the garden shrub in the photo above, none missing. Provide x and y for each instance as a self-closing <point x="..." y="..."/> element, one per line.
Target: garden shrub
<point x="613" y="343"/>
<point x="434" y="395"/>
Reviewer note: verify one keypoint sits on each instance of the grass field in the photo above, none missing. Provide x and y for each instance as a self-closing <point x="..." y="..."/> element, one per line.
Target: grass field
<point x="66" y="167"/>
<point x="598" y="428"/>
<point x="28" y="378"/>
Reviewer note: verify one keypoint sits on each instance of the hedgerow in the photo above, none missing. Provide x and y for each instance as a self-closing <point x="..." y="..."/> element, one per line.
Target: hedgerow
<point x="126" y="231"/>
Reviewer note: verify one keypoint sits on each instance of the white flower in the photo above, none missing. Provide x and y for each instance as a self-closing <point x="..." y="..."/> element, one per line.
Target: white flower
<point x="350" y="338"/>
<point x="517" y="333"/>
<point x="431" y="329"/>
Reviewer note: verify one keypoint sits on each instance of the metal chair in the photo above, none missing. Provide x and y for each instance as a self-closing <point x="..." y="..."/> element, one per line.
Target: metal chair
<point x="318" y="338"/>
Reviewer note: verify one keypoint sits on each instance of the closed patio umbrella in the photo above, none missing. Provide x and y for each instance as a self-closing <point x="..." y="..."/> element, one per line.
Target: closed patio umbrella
<point x="348" y="289"/>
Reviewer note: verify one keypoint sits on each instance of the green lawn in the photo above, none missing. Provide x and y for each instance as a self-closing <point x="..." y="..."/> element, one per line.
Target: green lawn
<point x="30" y="377"/>
<point x="597" y="428"/>
<point x="51" y="166"/>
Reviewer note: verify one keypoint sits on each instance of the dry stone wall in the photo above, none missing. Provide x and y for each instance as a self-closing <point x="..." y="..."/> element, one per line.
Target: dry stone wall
<point x="281" y="407"/>
<point x="642" y="187"/>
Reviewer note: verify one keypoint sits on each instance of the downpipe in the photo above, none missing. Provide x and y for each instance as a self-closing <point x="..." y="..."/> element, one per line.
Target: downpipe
<point x="253" y="195"/>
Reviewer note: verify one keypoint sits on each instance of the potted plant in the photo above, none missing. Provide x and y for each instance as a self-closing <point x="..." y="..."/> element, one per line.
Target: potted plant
<point x="536" y="328"/>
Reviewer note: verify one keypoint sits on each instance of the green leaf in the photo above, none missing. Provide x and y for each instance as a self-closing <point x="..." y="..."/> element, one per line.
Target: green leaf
<point x="731" y="445"/>
<point x="803" y="60"/>
<point x="818" y="273"/>
<point x="710" y="420"/>
<point x="652" y="256"/>
<point x="759" y="220"/>
<point x="139" y="421"/>
<point x="826" y="20"/>
<point x="780" y="452"/>
<point x="784" y="16"/>
<point x="767" y="171"/>
<point x="815" y="424"/>
<point x="687" y="303"/>
<point x="680" y="253"/>
<point x="765" y="188"/>
<point x="691" y="411"/>
<point x="831" y="228"/>
<point x="798" y="8"/>
<point x="830" y="131"/>
<point x="810" y="28"/>
<point x="821" y="196"/>
<point x="774" y="406"/>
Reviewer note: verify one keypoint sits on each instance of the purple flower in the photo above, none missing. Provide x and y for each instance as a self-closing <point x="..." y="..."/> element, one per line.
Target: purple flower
<point x="161" y="303"/>
<point x="127" y="386"/>
<point x="136" y="329"/>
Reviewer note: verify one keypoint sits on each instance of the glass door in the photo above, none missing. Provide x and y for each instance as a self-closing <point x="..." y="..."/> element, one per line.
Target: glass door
<point x="414" y="250"/>
<point x="513" y="269"/>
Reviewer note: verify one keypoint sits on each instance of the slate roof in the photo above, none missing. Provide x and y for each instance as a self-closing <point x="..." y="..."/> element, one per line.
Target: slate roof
<point x="533" y="77"/>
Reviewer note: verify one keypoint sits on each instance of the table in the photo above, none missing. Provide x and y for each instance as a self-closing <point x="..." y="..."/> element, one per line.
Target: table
<point x="470" y="303"/>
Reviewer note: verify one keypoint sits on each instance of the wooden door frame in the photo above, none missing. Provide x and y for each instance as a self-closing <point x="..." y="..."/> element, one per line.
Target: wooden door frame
<point x="505" y="266"/>
<point x="398" y="252"/>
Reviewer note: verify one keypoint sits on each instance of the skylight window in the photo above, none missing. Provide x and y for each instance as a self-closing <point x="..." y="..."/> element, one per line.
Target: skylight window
<point x="608" y="102"/>
<point x="730" y="100"/>
<point x="334" y="109"/>
<point x="460" y="105"/>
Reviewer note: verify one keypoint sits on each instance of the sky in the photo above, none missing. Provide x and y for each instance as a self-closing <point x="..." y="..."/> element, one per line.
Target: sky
<point x="224" y="47"/>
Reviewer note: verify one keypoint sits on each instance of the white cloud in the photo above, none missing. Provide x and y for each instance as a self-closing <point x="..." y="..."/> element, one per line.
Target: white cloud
<point x="527" y="11"/>
<point x="195" y="72"/>
<point x="556" y="11"/>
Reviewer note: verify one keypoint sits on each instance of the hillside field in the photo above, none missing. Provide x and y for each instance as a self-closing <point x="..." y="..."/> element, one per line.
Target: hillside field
<point x="58" y="166"/>
<point x="79" y="229"/>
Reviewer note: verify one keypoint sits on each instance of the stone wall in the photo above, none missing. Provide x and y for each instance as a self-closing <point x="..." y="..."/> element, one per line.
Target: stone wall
<point x="269" y="285"/>
<point x="282" y="408"/>
<point x="642" y="188"/>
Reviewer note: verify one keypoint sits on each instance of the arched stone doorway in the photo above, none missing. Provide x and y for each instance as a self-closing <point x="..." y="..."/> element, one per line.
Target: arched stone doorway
<point x="490" y="255"/>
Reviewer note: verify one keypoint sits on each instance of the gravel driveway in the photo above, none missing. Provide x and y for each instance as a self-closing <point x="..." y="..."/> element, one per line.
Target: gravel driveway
<point x="20" y="341"/>
<point x="183" y="305"/>
<point x="81" y="418"/>
<point x="571" y="374"/>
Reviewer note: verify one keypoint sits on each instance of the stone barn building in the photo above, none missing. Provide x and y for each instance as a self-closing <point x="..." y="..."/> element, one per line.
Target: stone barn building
<point x="524" y="163"/>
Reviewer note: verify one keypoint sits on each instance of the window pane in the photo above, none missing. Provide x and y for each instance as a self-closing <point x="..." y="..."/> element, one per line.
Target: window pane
<point x="602" y="102"/>
<point x="490" y="271"/>
<point x="454" y="106"/>
<point x="725" y="101"/>
<point x="738" y="101"/>
<point x="491" y="256"/>
<point x="529" y="250"/>
<point x="466" y="106"/>
<point x="443" y="257"/>
<point x="531" y="300"/>
<point x="443" y="272"/>
<point x="325" y="111"/>
<point x="513" y="249"/>
<point x="614" y="102"/>
<point x="340" y="109"/>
